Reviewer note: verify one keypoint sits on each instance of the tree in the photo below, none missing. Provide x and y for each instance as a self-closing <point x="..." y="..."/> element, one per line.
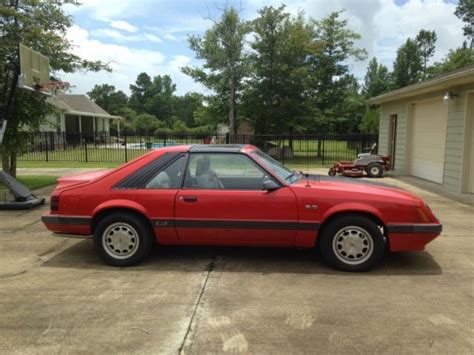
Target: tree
<point x="408" y="66"/>
<point x="114" y="102"/>
<point x="140" y="93"/>
<point x="465" y="12"/>
<point x="186" y="107"/>
<point x="155" y="97"/>
<point x="276" y="98"/>
<point x="426" y="41"/>
<point x="221" y="49"/>
<point x="377" y="79"/>
<point x="370" y="121"/>
<point x="160" y="98"/>
<point x="455" y="59"/>
<point x="42" y="26"/>
<point x="333" y="87"/>
<point x="146" y="124"/>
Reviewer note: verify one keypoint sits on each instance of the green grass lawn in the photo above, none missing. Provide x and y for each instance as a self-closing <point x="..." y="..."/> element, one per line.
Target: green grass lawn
<point x="66" y="164"/>
<point x="34" y="181"/>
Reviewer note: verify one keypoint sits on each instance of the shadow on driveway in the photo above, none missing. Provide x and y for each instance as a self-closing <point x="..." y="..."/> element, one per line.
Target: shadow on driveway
<point x="240" y="259"/>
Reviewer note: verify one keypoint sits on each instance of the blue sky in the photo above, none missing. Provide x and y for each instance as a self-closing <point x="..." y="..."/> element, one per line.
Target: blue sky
<point x="150" y="35"/>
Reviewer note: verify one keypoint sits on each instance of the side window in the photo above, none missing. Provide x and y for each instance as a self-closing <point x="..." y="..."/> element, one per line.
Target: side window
<point x="224" y="171"/>
<point x="169" y="177"/>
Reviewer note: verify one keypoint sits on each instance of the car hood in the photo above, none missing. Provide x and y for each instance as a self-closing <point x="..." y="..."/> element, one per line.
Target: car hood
<point x="354" y="186"/>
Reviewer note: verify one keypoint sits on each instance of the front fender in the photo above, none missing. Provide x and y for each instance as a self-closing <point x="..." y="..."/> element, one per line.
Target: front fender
<point x="353" y="207"/>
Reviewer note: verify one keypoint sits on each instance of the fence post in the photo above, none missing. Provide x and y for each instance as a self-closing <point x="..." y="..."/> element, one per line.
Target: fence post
<point x="85" y="149"/>
<point x="283" y="150"/>
<point x="165" y="140"/>
<point x="323" y="150"/>
<point x="46" y="143"/>
<point x="125" y="144"/>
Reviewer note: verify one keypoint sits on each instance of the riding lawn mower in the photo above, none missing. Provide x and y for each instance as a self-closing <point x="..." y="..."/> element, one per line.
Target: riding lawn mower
<point x="373" y="164"/>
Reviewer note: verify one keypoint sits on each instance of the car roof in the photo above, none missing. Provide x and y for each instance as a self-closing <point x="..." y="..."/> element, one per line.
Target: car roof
<point x="220" y="148"/>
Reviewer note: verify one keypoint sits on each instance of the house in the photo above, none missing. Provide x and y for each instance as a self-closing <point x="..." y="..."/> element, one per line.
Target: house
<point x="428" y="129"/>
<point x="77" y="115"/>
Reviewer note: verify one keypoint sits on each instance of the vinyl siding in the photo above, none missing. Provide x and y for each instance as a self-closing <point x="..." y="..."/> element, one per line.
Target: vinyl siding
<point x="455" y="143"/>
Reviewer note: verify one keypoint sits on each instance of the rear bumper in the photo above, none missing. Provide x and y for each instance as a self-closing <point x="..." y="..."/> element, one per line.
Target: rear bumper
<point x="412" y="237"/>
<point x="67" y="224"/>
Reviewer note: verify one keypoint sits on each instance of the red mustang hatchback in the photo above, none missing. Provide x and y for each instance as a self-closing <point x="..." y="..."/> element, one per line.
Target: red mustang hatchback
<point x="236" y="195"/>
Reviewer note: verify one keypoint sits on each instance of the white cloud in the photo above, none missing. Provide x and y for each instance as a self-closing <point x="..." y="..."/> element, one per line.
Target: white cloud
<point x="123" y="25"/>
<point x="385" y="26"/>
<point x="110" y="9"/>
<point x="120" y="37"/>
<point x="152" y="38"/>
<point x="126" y="63"/>
<point x="395" y="24"/>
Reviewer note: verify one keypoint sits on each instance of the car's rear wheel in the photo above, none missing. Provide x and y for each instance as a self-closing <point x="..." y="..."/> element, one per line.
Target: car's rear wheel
<point x="352" y="243"/>
<point x="123" y="239"/>
<point x="374" y="170"/>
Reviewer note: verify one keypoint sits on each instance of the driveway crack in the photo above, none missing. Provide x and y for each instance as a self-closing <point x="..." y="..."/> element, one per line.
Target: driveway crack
<point x="210" y="268"/>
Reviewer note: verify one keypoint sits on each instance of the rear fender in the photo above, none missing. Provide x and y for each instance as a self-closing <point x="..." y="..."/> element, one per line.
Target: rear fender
<point x="120" y="203"/>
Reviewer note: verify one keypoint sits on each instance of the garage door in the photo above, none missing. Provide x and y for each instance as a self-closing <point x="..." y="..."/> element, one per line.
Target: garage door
<point x="429" y="140"/>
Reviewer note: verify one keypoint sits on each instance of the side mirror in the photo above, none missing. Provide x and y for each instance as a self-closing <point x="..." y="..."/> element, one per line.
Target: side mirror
<point x="270" y="185"/>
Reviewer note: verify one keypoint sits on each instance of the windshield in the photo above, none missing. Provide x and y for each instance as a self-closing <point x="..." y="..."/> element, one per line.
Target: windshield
<point x="278" y="168"/>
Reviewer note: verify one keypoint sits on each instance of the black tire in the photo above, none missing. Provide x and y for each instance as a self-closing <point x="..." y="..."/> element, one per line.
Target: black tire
<point x="344" y="239"/>
<point x="332" y="172"/>
<point x="132" y="243"/>
<point x="374" y="170"/>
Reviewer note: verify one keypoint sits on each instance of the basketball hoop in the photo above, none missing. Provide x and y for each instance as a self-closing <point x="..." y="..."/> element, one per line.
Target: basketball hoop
<point x="52" y="88"/>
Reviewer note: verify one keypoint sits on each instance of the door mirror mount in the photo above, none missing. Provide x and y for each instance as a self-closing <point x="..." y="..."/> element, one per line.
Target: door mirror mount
<point x="270" y="185"/>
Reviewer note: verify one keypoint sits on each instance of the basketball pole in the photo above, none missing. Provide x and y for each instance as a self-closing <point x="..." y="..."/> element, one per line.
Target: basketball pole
<point x="11" y="93"/>
<point x="10" y="100"/>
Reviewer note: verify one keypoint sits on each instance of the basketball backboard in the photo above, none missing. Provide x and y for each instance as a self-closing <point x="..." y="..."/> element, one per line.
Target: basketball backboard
<point x="34" y="68"/>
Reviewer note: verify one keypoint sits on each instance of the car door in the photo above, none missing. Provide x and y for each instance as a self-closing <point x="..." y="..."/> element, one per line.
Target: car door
<point x="223" y="202"/>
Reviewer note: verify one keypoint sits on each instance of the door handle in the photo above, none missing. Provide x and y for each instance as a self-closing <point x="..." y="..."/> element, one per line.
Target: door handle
<point x="189" y="198"/>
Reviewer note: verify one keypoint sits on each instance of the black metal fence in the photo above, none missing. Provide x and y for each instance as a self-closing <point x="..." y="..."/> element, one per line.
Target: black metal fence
<point x="294" y="150"/>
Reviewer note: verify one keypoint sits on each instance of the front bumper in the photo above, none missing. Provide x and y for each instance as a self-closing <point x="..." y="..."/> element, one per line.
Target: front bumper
<point x="412" y="237"/>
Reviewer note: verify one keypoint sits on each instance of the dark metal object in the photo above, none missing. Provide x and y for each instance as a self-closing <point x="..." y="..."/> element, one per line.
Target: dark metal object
<point x="24" y="199"/>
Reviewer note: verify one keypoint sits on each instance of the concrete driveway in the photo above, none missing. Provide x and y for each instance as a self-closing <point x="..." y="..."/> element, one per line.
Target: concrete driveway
<point x="57" y="296"/>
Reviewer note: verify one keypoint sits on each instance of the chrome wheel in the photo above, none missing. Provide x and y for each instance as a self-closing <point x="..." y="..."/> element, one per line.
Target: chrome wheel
<point x="120" y="240"/>
<point x="353" y="245"/>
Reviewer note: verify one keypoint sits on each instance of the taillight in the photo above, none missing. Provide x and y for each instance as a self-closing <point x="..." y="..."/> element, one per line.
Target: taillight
<point x="54" y="203"/>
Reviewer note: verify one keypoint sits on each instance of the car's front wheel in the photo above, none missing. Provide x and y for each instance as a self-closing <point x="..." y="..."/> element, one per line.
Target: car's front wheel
<point x="352" y="243"/>
<point x="123" y="239"/>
